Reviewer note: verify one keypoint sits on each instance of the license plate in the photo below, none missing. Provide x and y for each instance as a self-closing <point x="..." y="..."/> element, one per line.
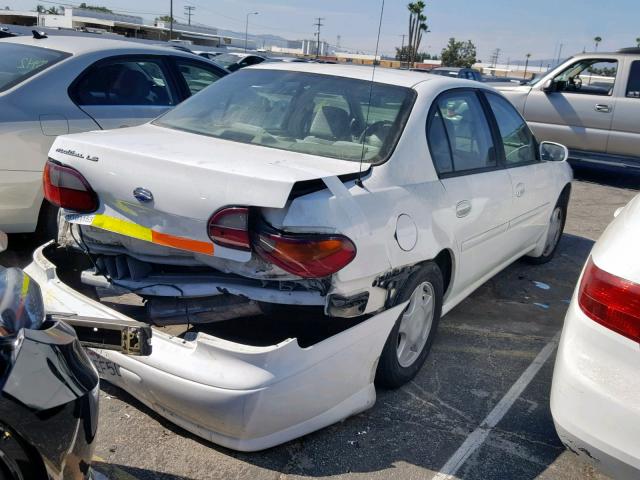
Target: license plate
<point x="106" y="368"/>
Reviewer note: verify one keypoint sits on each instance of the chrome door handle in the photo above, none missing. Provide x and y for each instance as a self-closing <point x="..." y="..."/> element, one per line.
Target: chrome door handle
<point x="463" y="208"/>
<point x="519" y="191"/>
<point x="602" y="108"/>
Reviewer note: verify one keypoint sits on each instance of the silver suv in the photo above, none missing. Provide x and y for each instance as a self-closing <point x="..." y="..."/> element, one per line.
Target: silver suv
<point x="591" y="104"/>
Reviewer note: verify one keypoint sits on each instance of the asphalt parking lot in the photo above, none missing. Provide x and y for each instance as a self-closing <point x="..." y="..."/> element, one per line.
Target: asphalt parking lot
<point x="483" y="347"/>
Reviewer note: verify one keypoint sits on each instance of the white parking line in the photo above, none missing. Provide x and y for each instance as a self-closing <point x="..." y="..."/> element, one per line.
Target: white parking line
<point x="480" y="434"/>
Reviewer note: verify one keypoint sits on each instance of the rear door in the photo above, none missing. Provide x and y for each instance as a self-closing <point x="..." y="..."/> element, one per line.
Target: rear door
<point x="579" y="112"/>
<point x="478" y="188"/>
<point x="625" y="130"/>
<point x="532" y="182"/>
<point x="125" y="91"/>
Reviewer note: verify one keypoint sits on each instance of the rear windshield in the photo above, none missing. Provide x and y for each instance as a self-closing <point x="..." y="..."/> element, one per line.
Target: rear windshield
<point x="321" y="115"/>
<point x="19" y="62"/>
<point x="227" y="59"/>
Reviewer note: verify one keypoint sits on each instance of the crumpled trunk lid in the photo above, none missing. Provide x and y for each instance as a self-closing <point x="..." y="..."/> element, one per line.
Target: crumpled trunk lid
<point x="160" y="184"/>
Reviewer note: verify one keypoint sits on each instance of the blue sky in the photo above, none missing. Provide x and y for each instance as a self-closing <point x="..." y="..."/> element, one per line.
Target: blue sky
<point x="517" y="27"/>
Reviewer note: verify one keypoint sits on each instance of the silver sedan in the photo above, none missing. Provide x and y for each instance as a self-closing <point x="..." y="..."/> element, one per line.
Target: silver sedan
<point x="67" y="84"/>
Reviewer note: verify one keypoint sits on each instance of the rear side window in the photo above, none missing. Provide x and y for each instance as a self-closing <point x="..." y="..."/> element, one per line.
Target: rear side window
<point x="19" y="62"/>
<point x="124" y="82"/>
<point x="196" y="76"/>
<point x="467" y="134"/>
<point x="518" y="141"/>
<point x="633" y="87"/>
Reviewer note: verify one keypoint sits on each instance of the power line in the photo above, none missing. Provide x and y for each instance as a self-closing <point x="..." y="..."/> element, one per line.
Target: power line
<point x="318" y="25"/>
<point x="188" y="11"/>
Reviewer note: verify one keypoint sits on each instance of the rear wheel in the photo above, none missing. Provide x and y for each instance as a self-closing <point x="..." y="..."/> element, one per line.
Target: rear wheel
<point x="410" y="339"/>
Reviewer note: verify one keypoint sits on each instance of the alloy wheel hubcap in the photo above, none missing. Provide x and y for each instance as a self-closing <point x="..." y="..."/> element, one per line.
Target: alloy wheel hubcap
<point x="553" y="236"/>
<point x="415" y="324"/>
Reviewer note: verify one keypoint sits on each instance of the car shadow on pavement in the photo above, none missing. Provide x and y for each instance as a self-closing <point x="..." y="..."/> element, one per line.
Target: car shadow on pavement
<point x="482" y="348"/>
<point x="611" y="179"/>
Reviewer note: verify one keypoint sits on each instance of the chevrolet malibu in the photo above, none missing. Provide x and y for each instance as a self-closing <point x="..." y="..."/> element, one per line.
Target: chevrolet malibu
<point x="304" y="185"/>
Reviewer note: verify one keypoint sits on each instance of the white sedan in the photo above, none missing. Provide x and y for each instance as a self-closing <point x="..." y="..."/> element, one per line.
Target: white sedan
<point x="59" y="85"/>
<point x="380" y="205"/>
<point x="595" y="394"/>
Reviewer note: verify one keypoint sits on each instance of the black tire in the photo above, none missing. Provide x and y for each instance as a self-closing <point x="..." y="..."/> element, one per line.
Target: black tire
<point x="562" y="204"/>
<point x="390" y="373"/>
<point x="47" y="223"/>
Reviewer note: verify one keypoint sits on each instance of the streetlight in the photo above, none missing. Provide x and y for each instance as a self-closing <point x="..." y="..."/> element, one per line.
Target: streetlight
<point x="246" y="30"/>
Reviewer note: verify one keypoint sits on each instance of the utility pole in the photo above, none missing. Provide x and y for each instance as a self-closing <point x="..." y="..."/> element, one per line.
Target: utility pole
<point x="560" y="53"/>
<point x="526" y="65"/>
<point x="170" y="20"/>
<point x="494" y="58"/>
<point x="318" y="25"/>
<point x="188" y="11"/>
<point x="246" y="30"/>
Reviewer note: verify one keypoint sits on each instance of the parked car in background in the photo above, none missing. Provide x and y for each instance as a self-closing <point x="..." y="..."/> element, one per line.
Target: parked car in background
<point x="59" y="85"/>
<point x="454" y="72"/>
<point x="211" y="55"/>
<point x="235" y="61"/>
<point x="591" y="104"/>
<point x="316" y="197"/>
<point x="595" y="394"/>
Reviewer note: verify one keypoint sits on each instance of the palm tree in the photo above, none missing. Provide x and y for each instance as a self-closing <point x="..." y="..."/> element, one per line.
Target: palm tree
<point x="526" y="65"/>
<point x="597" y="41"/>
<point x="638" y="41"/>
<point x="417" y="26"/>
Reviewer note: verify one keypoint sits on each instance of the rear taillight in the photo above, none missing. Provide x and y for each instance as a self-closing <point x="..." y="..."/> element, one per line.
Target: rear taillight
<point x="305" y="255"/>
<point x="65" y="187"/>
<point x="229" y="227"/>
<point x="611" y="301"/>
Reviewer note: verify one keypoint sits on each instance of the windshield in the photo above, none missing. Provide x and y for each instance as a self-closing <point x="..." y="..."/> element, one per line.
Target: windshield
<point x="301" y="112"/>
<point x="19" y="62"/>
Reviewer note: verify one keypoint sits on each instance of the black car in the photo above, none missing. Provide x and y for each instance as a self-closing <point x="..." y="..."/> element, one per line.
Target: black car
<point x="49" y="387"/>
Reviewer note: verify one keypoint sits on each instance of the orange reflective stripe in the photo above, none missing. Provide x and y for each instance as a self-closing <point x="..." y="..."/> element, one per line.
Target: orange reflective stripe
<point x="182" y="243"/>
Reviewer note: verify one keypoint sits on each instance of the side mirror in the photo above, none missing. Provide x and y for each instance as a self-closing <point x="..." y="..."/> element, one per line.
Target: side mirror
<point x="4" y="242"/>
<point x="548" y="86"/>
<point x="553" y="152"/>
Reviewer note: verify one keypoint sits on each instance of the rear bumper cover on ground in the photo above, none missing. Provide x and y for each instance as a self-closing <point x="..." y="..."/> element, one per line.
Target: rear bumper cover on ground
<point x="239" y="396"/>
<point x="594" y="395"/>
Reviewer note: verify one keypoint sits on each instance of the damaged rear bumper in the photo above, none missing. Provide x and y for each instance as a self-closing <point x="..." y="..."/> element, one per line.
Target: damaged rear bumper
<point x="239" y="396"/>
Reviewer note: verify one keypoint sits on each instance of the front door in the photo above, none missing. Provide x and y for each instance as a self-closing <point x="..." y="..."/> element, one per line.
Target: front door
<point x="577" y="110"/>
<point x="478" y="189"/>
<point x="531" y="179"/>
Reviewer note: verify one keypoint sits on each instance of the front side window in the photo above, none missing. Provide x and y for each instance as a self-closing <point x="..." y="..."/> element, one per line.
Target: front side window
<point x="124" y="82"/>
<point x="588" y="77"/>
<point x="196" y="76"/>
<point x="19" y="62"/>
<point x="633" y="87"/>
<point x="468" y="136"/>
<point x="301" y="112"/>
<point x="518" y="141"/>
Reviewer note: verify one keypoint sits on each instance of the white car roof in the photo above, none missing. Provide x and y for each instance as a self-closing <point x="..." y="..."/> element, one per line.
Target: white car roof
<point x="403" y="78"/>
<point x="81" y="45"/>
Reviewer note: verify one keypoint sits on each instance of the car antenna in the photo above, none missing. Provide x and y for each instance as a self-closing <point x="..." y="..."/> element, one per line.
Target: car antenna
<point x="373" y="74"/>
<point x="38" y="35"/>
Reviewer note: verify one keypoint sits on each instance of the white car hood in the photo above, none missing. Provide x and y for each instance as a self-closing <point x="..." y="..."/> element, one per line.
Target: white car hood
<point x="190" y="176"/>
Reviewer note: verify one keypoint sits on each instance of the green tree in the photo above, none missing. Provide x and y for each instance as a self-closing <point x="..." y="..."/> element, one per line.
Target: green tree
<point x="597" y="41"/>
<point x="164" y="18"/>
<point x="94" y="8"/>
<point x="403" y="54"/>
<point x="526" y="65"/>
<point x="638" y="42"/>
<point x="459" y="54"/>
<point x="417" y="27"/>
